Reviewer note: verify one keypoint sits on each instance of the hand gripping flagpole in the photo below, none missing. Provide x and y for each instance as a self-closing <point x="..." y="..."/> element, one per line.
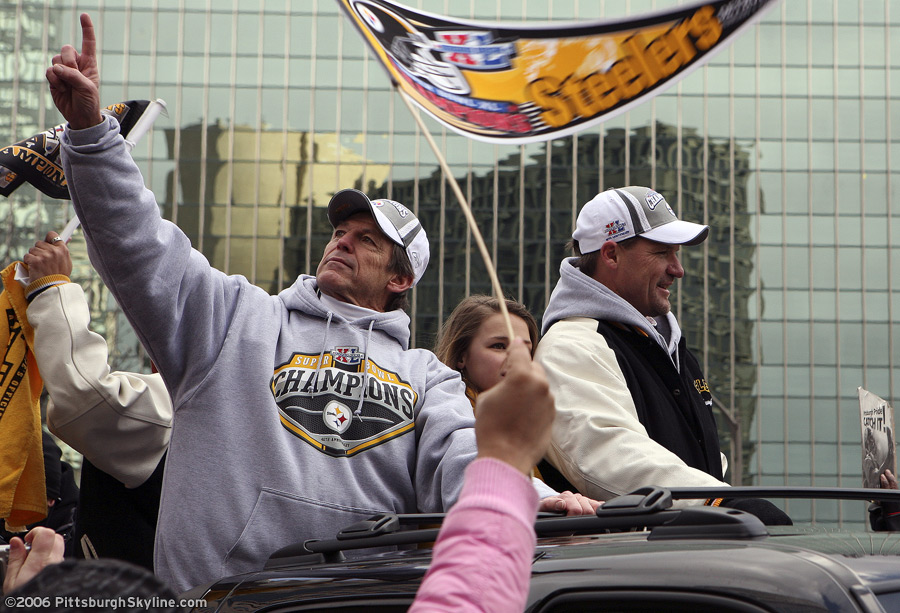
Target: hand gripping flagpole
<point x="464" y="205"/>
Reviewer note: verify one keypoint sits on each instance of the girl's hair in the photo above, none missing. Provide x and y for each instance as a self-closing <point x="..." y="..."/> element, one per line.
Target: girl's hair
<point x="461" y="327"/>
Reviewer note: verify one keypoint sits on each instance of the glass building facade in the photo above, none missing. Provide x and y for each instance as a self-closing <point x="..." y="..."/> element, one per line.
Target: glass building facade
<point x="784" y="143"/>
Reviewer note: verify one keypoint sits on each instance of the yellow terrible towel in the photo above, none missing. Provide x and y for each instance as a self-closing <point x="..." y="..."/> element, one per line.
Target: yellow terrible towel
<point x="23" y="492"/>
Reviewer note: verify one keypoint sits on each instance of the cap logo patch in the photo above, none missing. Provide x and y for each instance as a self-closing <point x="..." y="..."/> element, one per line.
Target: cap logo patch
<point x="402" y="210"/>
<point x="615" y="228"/>
<point x="670" y="210"/>
<point x="654" y="198"/>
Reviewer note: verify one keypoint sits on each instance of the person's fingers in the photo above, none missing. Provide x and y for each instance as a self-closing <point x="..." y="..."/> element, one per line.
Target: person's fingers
<point x="552" y="504"/>
<point x="16" y="560"/>
<point x="53" y="79"/>
<point x="514" y="357"/>
<point x="574" y="505"/>
<point x="55" y="241"/>
<point x="586" y="507"/>
<point x="88" y="37"/>
<point x="518" y="354"/>
<point x="523" y="370"/>
<point x="571" y="504"/>
<point x="17" y="549"/>
<point x="72" y="77"/>
<point x="48" y="257"/>
<point x="46" y="544"/>
<point x="47" y="547"/>
<point x="577" y="508"/>
<point x="41" y="249"/>
<point x="69" y="56"/>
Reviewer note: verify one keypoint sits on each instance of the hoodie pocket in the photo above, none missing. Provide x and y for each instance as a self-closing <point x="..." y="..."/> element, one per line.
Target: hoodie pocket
<point x="279" y="519"/>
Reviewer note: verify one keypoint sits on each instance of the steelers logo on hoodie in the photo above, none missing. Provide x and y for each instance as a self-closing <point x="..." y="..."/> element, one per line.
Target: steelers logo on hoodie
<point x="342" y="404"/>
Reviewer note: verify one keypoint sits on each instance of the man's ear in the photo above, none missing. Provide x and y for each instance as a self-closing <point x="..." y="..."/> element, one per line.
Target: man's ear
<point x="399" y="283"/>
<point x="609" y="255"/>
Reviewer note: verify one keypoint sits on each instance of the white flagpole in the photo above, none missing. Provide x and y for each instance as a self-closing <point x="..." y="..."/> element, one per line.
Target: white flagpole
<point x="142" y="125"/>
<point x="67" y="232"/>
<point x="464" y="205"/>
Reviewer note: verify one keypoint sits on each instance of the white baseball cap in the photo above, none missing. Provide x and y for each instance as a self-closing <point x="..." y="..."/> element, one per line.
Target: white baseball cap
<point x="617" y="214"/>
<point x="396" y="221"/>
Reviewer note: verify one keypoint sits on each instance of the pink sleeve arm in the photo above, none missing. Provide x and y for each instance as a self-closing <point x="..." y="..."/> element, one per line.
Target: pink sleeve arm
<point x="482" y="559"/>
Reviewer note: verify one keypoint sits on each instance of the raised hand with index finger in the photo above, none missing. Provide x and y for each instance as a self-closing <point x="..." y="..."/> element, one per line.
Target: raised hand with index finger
<point x="75" y="80"/>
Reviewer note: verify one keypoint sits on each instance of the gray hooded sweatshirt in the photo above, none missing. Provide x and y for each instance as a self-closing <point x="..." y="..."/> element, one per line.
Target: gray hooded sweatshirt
<point x="578" y="295"/>
<point x="290" y="421"/>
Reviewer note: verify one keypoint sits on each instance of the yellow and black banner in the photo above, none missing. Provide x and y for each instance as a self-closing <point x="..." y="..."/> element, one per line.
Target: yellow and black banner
<point x="23" y="494"/>
<point x="504" y="83"/>
<point x="35" y="160"/>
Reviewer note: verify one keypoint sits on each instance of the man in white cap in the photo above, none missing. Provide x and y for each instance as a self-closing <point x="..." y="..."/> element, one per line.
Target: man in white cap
<point x="634" y="408"/>
<point x="365" y="280"/>
<point x="295" y="415"/>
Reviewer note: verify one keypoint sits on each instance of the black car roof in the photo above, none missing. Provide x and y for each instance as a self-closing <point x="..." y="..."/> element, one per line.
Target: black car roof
<point x="723" y="555"/>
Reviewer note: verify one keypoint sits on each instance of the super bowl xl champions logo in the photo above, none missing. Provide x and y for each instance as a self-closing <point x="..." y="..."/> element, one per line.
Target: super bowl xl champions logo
<point x="432" y="55"/>
<point x="320" y="403"/>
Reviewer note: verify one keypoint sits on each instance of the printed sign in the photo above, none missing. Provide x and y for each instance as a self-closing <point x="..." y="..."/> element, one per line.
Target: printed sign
<point x="876" y="419"/>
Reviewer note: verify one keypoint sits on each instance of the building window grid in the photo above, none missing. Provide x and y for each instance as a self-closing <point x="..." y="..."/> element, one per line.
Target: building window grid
<point x="888" y="149"/>
<point x="810" y="273"/>
<point x="757" y="276"/>
<point x="837" y="139"/>
<point x="282" y="201"/>
<point x="862" y="207"/>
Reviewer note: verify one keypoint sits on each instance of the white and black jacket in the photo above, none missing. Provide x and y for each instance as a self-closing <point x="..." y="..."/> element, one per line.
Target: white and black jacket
<point x="633" y="407"/>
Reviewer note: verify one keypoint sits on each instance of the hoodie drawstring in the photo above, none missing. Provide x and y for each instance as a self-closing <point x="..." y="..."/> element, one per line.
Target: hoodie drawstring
<point x="362" y="396"/>
<point x="322" y="353"/>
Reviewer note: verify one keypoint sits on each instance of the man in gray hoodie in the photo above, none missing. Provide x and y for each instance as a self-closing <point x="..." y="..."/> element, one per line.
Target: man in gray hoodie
<point x="634" y="408"/>
<point x="294" y="415"/>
